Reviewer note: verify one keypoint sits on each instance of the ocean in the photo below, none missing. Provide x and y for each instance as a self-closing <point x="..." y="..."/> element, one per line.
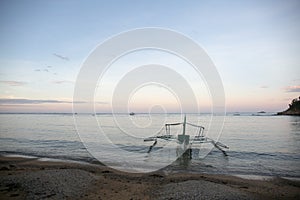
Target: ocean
<point x="260" y="145"/>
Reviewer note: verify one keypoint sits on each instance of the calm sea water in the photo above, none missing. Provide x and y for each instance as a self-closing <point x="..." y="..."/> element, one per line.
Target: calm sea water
<point x="259" y="145"/>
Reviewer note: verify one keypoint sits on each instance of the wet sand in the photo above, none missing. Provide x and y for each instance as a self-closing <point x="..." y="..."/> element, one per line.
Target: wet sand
<point x="30" y="178"/>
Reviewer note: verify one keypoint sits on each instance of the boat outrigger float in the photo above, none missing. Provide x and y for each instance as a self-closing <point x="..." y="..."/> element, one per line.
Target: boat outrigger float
<point x="184" y="139"/>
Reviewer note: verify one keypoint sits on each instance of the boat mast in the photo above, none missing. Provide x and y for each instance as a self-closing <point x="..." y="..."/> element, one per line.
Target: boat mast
<point x="184" y="123"/>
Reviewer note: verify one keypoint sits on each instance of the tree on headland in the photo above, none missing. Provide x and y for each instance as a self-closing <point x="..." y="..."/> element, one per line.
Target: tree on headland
<point x="294" y="108"/>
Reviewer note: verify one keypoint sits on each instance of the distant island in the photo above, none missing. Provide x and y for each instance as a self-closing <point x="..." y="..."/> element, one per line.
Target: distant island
<point x="294" y="108"/>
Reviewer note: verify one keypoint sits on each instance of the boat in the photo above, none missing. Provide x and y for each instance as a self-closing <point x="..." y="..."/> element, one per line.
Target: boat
<point x="132" y="113"/>
<point x="185" y="139"/>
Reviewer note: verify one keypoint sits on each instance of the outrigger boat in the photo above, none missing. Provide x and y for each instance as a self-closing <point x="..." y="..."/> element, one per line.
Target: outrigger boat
<point x="184" y="139"/>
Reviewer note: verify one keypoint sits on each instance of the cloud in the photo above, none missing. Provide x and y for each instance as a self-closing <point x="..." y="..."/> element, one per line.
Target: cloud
<point x="61" y="57"/>
<point x="13" y="83"/>
<point x="101" y="102"/>
<point x="47" y="69"/>
<point x="7" y="101"/>
<point x="33" y="101"/>
<point x="62" y="82"/>
<point x="293" y="88"/>
<point x="264" y="86"/>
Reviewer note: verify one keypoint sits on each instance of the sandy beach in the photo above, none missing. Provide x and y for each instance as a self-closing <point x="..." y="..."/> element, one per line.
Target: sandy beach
<point x="31" y="178"/>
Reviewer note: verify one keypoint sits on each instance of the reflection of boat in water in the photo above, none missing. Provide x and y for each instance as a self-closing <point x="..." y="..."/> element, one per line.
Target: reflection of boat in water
<point x="184" y="140"/>
<point x="132" y="113"/>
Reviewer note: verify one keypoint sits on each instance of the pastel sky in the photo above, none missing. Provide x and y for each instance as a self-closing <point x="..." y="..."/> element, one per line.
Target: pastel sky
<point x="255" y="46"/>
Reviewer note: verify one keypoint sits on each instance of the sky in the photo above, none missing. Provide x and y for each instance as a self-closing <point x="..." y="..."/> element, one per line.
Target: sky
<point x="254" y="45"/>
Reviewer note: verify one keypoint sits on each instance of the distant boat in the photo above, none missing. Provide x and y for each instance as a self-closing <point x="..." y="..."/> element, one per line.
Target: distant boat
<point x="132" y="113"/>
<point x="261" y="112"/>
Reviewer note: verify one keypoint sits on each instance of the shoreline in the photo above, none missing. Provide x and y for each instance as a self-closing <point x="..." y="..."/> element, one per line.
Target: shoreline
<point x="85" y="162"/>
<point x="23" y="178"/>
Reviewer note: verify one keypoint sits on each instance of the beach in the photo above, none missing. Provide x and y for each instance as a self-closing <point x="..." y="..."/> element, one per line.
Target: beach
<point x="33" y="178"/>
<point x="149" y="100"/>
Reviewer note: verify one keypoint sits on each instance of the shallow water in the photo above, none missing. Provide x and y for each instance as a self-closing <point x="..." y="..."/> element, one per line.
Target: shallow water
<point x="259" y="145"/>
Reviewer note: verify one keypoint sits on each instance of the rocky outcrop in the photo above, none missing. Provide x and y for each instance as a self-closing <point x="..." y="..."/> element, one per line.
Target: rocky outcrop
<point x="294" y="108"/>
